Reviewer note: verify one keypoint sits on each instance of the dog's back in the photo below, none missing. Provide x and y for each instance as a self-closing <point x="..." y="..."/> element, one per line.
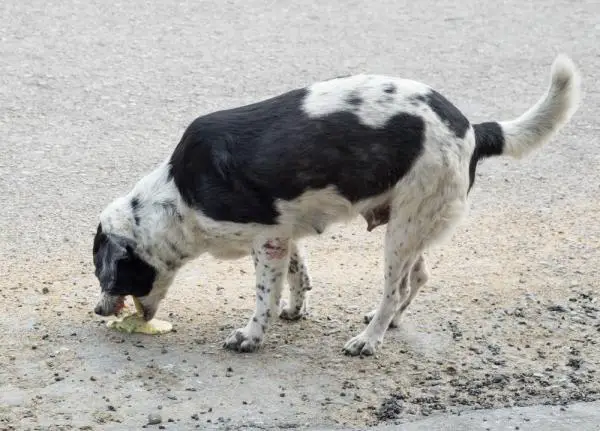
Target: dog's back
<point x="358" y="136"/>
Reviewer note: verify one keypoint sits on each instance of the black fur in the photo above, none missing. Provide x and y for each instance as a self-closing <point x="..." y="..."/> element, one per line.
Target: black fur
<point x="234" y="164"/>
<point x="354" y="99"/>
<point x="489" y="141"/>
<point x="118" y="268"/>
<point x="390" y="88"/>
<point x="448" y="113"/>
<point x="135" y="204"/>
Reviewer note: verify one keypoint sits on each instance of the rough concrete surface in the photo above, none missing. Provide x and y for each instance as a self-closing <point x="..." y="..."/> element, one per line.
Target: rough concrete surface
<point x="94" y="94"/>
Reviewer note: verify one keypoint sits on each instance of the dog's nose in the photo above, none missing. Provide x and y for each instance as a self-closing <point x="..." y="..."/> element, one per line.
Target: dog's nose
<point x="98" y="310"/>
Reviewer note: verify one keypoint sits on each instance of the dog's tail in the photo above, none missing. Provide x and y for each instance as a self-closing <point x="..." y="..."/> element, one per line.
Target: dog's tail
<point x="539" y="124"/>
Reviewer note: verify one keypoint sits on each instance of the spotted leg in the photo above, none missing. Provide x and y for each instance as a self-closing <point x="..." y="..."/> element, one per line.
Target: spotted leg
<point x="418" y="277"/>
<point x="408" y="234"/>
<point x="299" y="282"/>
<point x="271" y="257"/>
<point x="401" y="252"/>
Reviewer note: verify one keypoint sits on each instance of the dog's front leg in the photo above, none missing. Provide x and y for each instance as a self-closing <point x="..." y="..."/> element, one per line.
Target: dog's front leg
<point x="271" y="259"/>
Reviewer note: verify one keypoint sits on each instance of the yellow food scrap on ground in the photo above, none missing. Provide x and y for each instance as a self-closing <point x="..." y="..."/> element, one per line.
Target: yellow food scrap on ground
<point x="134" y="322"/>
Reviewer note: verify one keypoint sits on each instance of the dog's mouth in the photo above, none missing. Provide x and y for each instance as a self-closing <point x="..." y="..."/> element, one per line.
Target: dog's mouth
<point x="110" y="305"/>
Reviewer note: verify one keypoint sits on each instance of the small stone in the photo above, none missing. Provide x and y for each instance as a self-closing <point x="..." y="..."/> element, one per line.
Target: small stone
<point x="154" y="419"/>
<point x="45" y="290"/>
<point x="574" y="363"/>
<point x="451" y="370"/>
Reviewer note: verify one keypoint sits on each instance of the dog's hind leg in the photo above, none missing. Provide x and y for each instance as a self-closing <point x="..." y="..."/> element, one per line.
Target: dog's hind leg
<point x="271" y="258"/>
<point x="300" y="284"/>
<point x="400" y="254"/>
<point x="419" y="275"/>
<point x="409" y="232"/>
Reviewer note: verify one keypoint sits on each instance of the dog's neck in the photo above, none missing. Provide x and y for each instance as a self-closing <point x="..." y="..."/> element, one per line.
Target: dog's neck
<point x="153" y="216"/>
<point x="166" y="231"/>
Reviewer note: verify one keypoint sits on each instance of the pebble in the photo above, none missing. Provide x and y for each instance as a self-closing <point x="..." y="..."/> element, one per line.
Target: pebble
<point x="154" y="419"/>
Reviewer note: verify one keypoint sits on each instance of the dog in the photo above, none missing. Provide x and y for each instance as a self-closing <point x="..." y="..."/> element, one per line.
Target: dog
<point x="256" y="179"/>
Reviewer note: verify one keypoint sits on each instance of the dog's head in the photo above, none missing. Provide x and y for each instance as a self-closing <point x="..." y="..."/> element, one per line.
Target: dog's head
<point x="121" y="272"/>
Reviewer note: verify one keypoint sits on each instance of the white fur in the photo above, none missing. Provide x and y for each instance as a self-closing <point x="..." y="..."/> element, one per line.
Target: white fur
<point x="332" y="96"/>
<point x="425" y="206"/>
<point x="552" y="111"/>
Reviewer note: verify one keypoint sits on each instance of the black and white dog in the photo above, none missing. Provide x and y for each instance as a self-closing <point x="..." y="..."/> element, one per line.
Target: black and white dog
<point x="255" y="179"/>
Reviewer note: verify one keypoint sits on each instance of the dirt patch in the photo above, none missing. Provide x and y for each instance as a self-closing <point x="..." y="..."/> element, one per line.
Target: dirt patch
<point x="477" y="336"/>
<point x="556" y="373"/>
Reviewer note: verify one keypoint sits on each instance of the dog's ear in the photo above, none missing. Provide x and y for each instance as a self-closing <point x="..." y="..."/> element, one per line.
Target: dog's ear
<point x="99" y="239"/>
<point x="107" y="251"/>
<point x="134" y="275"/>
<point x="119" y="268"/>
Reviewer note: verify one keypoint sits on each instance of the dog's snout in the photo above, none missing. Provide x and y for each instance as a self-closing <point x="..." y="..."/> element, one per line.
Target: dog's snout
<point x="99" y="310"/>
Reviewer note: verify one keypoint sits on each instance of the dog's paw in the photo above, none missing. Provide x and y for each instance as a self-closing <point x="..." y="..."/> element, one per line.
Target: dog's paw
<point x="291" y="313"/>
<point x="369" y="316"/>
<point x="242" y="340"/>
<point x="361" y="345"/>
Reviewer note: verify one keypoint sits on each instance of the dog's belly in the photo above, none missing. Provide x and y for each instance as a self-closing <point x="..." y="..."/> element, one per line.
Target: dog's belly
<point x="315" y="210"/>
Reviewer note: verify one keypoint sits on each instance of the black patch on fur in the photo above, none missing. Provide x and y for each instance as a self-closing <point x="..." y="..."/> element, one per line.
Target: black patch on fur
<point x="447" y="112"/>
<point x="354" y="99"/>
<point x="135" y="204"/>
<point x="489" y="141"/>
<point x="234" y="164"/>
<point x="293" y="266"/>
<point x="118" y="268"/>
<point x="389" y="88"/>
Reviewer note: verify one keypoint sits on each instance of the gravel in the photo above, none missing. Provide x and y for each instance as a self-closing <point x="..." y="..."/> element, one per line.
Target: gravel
<point x="94" y="94"/>
<point x="154" y="419"/>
